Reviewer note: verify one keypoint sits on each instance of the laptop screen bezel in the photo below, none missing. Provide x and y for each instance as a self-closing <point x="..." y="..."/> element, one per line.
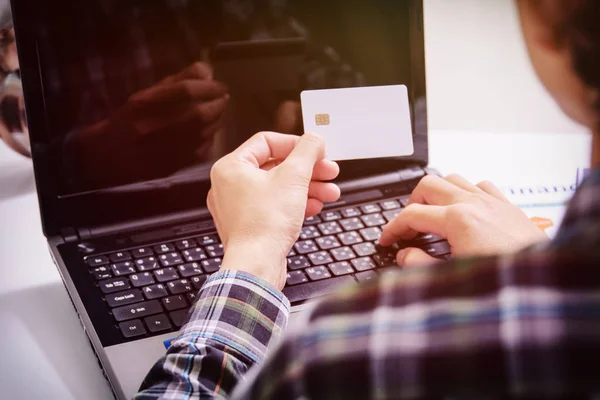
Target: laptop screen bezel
<point x="109" y="207"/>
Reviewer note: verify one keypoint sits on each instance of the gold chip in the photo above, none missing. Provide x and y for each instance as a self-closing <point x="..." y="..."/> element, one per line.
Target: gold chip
<point x="322" y="119"/>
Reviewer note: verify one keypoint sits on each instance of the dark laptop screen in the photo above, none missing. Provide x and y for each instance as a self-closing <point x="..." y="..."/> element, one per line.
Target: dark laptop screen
<point x="137" y="90"/>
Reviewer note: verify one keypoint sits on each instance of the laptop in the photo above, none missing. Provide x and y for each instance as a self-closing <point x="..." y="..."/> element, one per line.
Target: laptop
<point x="122" y="176"/>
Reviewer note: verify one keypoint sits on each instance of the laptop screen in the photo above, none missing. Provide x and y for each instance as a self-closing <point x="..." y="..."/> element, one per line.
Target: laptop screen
<point x="140" y="90"/>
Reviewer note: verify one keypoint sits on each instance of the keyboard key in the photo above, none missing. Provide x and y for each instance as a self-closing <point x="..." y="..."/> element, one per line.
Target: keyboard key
<point x="306" y="246"/>
<point x="164" y="248"/>
<point x="142" y="252"/>
<point x="373" y="220"/>
<point x="438" y="249"/>
<point x="196" y="254"/>
<point x="190" y="269"/>
<point x="170" y="259"/>
<point x="391" y="214"/>
<point x="343" y="254"/>
<point x="96" y="261"/>
<point x="363" y="264"/>
<point x="317" y="273"/>
<point x="131" y="329"/>
<point x="404" y="201"/>
<point x="390" y="205"/>
<point x="371" y="234"/>
<point x="370" y="208"/>
<point x="178" y="317"/>
<point x="155" y="291"/>
<point x="198" y="281"/>
<point x="142" y="279"/>
<point x="137" y="310"/>
<point x="174" y="302"/>
<point x="191" y="297"/>
<point x="102" y="272"/>
<point x="385" y="260"/>
<point x="331" y="216"/>
<point x="298" y="262"/>
<point x="328" y="242"/>
<point x="366" y="276"/>
<point x="114" y="285"/>
<point x="309" y="232"/>
<point x="296" y="278"/>
<point x="330" y="228"/>
<point x="147" y="264"/>
<point x="351" y="212"/>
<point x="212" y="265"/>
<point x="214" y="250"/>
<point x="320" y="258"/>
<point x="350" y="238"/>
<point x="364" y="249"/>
<point x="166" y="274"/>
<point x="341" y="268"/>
<point x="316" y="289"/>
<point x="352" y="224"/>
<point x="312" y="220"/>
<point x="157" y="323"/>
<point x="180" y="286"/>
<point x="123" y="268"/>
<point x="424" y="239"/>
<point x="292" y="253"/>
<point x="124" y="298"/>
<point x="120" y="256"/>
<point x="185" y="244"/>
<point x="207" y="239"/>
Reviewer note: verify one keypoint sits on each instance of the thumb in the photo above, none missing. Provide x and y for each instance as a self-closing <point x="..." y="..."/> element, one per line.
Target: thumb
<point x="309" y="149"/>
<point x="412" y="257"/>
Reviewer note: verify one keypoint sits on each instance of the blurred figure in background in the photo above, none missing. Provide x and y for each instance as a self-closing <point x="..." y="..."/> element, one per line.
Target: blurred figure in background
<point x="13" y="125"/>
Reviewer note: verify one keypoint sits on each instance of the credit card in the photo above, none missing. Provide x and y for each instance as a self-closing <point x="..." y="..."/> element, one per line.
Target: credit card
<point x="359" y="123"/>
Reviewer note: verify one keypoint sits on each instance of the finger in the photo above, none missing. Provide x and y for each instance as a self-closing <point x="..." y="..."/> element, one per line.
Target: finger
<point x="462" y="183"/>
<point x="313" y="207"/>
<point x="412" y="257"/>
<point x="492" y="190"/>
<point x="309" y="149"/>
<point x="263" y="147"/>
<point x="325" y="170"/>
<point x="323" y="191"/>
<point x="196" y="124"/>
<point x="198" y="70"/>
<point x="175" y="94"/>
<point x="414" y="219"/>
<point x="437" y="191"/>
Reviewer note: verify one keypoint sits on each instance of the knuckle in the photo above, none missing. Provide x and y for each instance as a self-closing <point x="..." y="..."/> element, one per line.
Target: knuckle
<point x="453" y="177"/>
<point x="186" y="90"/>
<point x="429" y="180"/>
<point x="218" y="171"/>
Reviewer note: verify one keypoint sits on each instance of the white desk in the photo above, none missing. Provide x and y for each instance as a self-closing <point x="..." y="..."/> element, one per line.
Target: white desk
<point x="44" y="352"/>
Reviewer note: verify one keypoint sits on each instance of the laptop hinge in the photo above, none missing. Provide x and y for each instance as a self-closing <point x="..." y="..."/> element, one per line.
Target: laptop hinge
<point x="69" y="235"/>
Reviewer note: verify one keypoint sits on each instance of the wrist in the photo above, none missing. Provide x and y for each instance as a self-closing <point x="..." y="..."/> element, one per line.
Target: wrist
<point x="261" y="259"/>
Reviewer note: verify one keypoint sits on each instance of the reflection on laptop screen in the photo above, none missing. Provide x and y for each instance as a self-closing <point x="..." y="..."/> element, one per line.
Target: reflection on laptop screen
<point x="137" y="90"/>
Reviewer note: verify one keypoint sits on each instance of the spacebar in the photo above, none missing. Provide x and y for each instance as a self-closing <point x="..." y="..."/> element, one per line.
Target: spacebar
<point x="315" y="289"/>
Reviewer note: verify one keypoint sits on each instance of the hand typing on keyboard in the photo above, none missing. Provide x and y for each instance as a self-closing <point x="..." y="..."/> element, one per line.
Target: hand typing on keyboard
<point x="261" y="194"/>
<point x="475" y="219"/>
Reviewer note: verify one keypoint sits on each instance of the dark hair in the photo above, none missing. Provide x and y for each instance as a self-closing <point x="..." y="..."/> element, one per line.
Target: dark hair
<point x="576" y="26"/>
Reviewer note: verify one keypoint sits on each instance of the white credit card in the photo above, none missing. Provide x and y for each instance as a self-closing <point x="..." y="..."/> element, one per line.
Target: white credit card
<point x="359" y="123"/>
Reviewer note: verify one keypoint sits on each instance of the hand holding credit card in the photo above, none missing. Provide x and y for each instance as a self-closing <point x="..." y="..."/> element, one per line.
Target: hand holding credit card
<point x="359" y="123"/>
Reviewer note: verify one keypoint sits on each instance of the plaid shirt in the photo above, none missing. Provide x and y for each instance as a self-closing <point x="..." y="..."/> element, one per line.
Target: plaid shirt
<point x="520" y="326"/>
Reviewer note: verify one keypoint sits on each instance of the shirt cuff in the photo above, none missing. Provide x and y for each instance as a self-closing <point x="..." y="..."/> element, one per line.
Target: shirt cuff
<point x="240" y="311"/>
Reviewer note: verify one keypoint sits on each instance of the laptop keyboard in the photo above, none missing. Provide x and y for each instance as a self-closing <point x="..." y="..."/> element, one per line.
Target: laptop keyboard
<point x="150" y="289"/>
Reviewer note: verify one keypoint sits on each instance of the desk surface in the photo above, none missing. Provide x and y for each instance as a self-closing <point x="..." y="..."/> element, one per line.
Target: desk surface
<point x="45" y="353"/>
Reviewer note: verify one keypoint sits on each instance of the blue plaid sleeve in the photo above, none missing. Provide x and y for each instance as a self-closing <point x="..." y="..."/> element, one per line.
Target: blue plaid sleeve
<point x="236" y="319"/>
